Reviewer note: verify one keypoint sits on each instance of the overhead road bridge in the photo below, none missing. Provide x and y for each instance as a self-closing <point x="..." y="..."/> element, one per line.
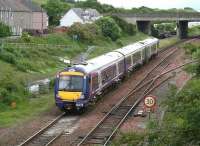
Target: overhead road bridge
<point x="143" y="20"/>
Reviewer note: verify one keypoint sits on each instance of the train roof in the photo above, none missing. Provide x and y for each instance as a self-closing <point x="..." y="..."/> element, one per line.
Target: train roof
<point x="99" y="62"/>
<point x="135" y="47"/>
<point x="111" y="57"/>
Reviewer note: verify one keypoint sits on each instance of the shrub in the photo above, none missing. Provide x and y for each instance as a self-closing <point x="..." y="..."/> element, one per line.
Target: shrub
<point x="126" y="27"/>
<point x="26" y="37"/>
<point x="5" y="30"/>
<point x="8" y="57"/>
<point x="109" y="28"/>
<point x="84" y="32"/>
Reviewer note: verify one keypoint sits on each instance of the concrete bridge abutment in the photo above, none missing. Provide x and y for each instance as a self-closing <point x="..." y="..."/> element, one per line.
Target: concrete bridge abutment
<point x="144" y="26"/>
<point x="182" y="29"/>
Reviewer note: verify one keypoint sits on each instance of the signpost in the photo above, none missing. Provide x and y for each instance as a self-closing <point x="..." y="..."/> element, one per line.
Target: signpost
<point x="149" y="103"/>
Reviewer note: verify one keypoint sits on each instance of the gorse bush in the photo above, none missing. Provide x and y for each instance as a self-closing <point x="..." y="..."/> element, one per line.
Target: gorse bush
<point x="4" y="30"/>
<point x="84" y="32"/>
<point x="109" y="27"/>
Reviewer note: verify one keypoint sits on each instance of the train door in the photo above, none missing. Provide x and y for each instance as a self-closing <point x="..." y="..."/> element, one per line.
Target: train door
<point x="94" y="83"/>
<point x="147" y="53"/>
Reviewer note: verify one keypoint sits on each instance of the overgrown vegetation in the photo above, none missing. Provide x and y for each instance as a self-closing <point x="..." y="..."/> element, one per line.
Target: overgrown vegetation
<point x="85" y="33"/>
<point x="128" y="139"/>
<point x="109" y="28"/>
<point x="163" y="30"/>
<point x="181" y="125"/>
<point x="194" y="31"/>
<point x="4" y="30"/>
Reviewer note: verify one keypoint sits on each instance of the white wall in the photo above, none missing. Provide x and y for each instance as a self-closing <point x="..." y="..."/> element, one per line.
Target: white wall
<point x="69" y="19"/>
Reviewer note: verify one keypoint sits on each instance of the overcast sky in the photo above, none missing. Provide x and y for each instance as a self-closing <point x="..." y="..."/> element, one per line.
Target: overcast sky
<point x="162" y="4"/>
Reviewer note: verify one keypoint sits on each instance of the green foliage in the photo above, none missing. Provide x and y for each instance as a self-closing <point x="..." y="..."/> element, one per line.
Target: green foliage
<point x="55" y="9"/>
<point x="163" y="28"/>
<point x="181" y="126"/>
<point x="128" y="139"/>
<point x="4" y="30"/>
<point x="193" y="49"/>
<point x="109" y="27"/>
<point x="84" y="32"/>
<point x="26" y="37"/>
<point x="194" y="31"/>
<point x="102" y="8"/>
<point x="9" y="87"/>
<point x="126" y="27"/>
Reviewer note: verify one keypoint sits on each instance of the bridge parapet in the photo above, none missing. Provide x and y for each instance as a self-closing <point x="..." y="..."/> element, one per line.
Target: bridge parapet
<point x="161" y="16"/>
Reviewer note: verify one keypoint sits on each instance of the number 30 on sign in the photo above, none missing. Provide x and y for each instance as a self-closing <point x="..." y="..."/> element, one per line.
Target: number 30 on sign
<point x="150" y="101"/>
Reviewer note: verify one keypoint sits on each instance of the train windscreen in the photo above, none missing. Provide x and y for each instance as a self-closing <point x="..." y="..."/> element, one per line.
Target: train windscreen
<point x="71" y="83"/>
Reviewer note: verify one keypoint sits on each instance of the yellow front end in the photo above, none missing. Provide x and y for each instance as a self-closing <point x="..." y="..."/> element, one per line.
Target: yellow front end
<point x="69" y="96"/>
<point x="74" y="78"/>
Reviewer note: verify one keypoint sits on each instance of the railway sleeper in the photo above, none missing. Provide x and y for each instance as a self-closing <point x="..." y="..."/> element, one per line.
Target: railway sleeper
<point x="119" y="113"/>
<point x="102" y="136"/>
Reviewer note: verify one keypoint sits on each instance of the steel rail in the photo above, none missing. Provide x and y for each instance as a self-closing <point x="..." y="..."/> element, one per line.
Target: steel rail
<point x="148" y="92"/>
<point x="42" y="130"/>
<point x="124" y="98"/>
<point x="131" y="109"/>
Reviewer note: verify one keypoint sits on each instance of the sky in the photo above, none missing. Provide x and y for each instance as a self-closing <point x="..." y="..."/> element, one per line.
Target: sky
<point x="162" y="4"/>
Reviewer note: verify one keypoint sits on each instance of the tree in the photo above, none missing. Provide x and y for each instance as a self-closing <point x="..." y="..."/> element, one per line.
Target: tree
<point x="55" y="9"/>
<point x="109" y="28"/>
<point x="84" y="32"/>
<point x="126" y="27"/>
<point x="5" y="30"/>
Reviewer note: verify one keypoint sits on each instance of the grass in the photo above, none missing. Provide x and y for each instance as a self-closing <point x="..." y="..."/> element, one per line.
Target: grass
<point x="25" y="110"/>
<point x="194" y="31"/>
<point x="168" y="42"/>
<point x="128" y="139"/>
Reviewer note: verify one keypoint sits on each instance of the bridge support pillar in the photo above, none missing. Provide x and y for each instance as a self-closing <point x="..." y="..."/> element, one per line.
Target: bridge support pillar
<point x="182" y="29"/>
<point x="144" y="26"/>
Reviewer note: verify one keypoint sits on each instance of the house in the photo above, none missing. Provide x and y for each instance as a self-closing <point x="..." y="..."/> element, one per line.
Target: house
<point x="23" y="15"/>
<point x="83" y="16"/>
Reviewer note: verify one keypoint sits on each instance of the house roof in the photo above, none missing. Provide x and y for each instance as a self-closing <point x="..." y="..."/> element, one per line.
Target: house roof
<point x="87" y="12"/>
<point x="20" y="5"/>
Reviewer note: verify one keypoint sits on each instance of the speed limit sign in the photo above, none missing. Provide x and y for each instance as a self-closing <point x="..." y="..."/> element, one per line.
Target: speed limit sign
<point x="150" y="101"/>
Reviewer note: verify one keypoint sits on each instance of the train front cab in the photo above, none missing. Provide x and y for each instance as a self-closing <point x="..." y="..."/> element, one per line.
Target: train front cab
<point x="71" y="90"/>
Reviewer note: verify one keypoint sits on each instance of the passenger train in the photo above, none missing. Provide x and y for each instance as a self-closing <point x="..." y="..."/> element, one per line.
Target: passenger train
<point x="77" y="85"/>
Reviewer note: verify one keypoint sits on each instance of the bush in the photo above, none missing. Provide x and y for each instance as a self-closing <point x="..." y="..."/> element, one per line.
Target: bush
<point x="109" y="27"/>
<point x="84" y="32"/>
<point x="126" y="27"/>
<point x="4" y="30"/>
<point x="26" y="37"/>
<point x="8" y="57"/>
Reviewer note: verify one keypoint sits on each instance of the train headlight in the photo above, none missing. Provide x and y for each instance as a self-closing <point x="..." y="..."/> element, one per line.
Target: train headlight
<point x="82" y="97"/>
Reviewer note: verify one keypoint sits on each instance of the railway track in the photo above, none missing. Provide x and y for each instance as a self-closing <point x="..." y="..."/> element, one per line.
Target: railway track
<point x="50" y="132"/>
<point x="107" y="127"/>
